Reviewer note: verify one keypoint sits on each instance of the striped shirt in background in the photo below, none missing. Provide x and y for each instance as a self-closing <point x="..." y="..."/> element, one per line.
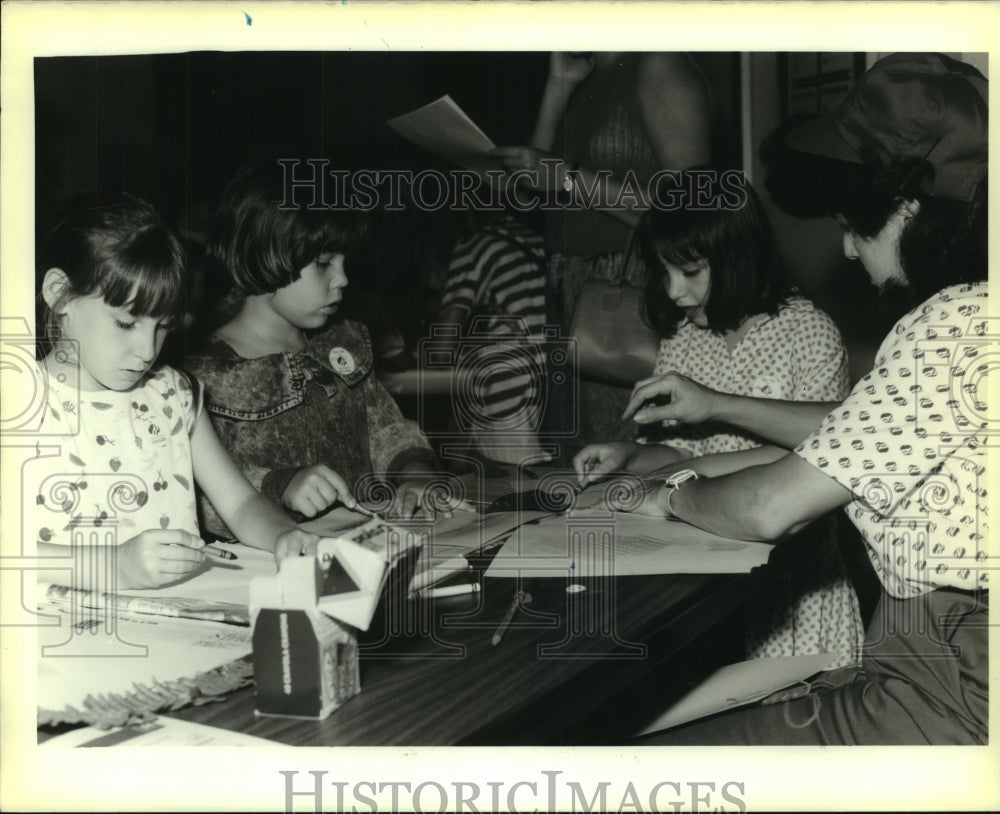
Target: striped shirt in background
<point x="497" y="276"/>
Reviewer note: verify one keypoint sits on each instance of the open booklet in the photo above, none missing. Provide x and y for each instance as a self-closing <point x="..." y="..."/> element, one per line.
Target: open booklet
<point x="444" y="129"/>
<point x="177" y="606"/>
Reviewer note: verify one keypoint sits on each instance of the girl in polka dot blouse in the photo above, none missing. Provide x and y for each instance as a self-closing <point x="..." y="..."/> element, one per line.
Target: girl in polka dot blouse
<point x="123" y="441"/>
<point x="715" y="292"/>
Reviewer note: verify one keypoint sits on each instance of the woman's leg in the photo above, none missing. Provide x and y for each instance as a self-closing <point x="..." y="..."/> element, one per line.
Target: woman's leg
<point x="925" y="682"/>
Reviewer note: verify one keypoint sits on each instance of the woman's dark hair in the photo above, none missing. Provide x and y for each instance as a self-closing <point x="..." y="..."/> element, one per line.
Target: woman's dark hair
<point x="733" y="235"/>
<point x="122" y="250"/>
<point x="943" y="244"/>
<point x="267" y="229"/>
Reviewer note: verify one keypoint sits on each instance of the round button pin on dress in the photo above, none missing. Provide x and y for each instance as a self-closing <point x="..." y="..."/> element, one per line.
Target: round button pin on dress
<point x="341" y="361"/>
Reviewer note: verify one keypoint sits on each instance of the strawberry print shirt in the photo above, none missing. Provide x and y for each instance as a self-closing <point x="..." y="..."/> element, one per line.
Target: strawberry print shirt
<point x="909" y="442"/>
<point x="112" y="463"/>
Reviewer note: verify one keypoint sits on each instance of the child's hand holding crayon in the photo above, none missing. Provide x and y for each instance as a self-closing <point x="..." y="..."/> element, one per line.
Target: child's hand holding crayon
<point x="157" y="557"/>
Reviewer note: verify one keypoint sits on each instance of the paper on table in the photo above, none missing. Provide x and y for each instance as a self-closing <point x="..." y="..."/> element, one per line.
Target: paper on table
<point x="81" y="654"/>
<point x="159" y="732"/>
<point x="622" y="545"/>
<point x="464" y="533"/>
<point x="736" y="685"/>
<point x="444" y="129"/>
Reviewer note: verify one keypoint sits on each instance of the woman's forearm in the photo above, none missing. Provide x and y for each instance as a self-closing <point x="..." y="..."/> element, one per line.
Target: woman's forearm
<point x="723" y="463"/>
<point x="649" y="457"/>
<point x="785" y="423"/>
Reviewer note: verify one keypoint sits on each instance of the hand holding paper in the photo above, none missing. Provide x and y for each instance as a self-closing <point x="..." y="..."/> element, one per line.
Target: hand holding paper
<point x="444" y="129"/>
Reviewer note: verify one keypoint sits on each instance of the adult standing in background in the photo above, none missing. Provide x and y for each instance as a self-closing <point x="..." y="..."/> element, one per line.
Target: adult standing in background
<point x="630" y="114"/>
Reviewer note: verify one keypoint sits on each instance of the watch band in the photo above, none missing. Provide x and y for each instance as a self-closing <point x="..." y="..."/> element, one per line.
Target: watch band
<point x="673" y="483"/>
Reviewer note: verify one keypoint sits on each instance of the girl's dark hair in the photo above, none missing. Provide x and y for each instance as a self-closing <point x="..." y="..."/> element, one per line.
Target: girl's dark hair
<point x="122" y="250"/>
<point x="267" y="229"/>
<point x="733" y="235"/>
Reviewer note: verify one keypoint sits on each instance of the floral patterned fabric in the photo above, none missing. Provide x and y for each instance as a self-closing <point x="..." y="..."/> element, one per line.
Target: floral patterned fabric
<point x="112" y="464"/>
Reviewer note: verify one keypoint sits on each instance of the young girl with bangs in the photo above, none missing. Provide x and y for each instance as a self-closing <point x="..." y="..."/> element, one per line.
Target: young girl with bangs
<point x="289" y="384"/>
<point x="715" y="292"/>
<point x="130" y="438"/>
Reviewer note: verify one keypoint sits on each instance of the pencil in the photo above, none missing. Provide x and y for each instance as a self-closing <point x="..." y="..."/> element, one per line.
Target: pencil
<point x="519" y="597"/>
<point x="221" y="553"/>
<point x="448" y="590"/>
<point x="367" y="512"/>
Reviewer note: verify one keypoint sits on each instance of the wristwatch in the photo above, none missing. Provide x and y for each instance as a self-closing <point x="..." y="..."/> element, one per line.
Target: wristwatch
<point x="673" y="483"/>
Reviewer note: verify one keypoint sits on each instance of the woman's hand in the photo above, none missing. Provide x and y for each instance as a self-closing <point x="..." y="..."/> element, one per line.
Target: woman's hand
<point x="313" y="489"/>
<point x="540" y="169"/>
<point x="570" y="67"/>
<point x="158" y="557"/>
<point x="595" y="461"/>
<point x="678" y="400"/>
<point x="295" y="543"/>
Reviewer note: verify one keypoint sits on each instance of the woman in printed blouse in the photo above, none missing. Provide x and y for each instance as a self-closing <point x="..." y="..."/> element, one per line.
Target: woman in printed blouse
<point x="288" y="384"/>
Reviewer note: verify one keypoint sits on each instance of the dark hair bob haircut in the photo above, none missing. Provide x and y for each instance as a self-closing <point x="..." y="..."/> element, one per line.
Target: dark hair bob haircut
<point x="733" y="236"/>
<point x="270" y="225"/>
<point x="122" y="250"/>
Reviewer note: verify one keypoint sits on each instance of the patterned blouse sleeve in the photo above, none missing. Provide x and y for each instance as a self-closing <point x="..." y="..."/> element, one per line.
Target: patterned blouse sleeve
<point x="191" y="395"/>
<point x="897" y="427"/>
<point x="821" y="359"/>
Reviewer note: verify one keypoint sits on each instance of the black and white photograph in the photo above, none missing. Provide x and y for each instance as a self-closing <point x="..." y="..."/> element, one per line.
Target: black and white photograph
<point x="553" y="400"/>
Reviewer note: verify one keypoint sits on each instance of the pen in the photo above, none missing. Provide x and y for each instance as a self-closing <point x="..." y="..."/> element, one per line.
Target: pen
<point x="519" y="597"/>
<point x="221" y="553"/>
<point x="448" y="590"/>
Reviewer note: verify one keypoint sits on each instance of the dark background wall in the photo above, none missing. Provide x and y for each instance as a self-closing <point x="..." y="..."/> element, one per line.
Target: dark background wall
<point x="175" y="127"/>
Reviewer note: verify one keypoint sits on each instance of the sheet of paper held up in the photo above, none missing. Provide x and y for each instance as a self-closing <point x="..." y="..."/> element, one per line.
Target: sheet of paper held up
<point x="738" y="684"/>
<point x="622" y="545"/>
<point x="443" y="128"/>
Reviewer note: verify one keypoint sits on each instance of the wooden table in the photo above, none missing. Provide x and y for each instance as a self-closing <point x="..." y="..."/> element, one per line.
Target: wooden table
<point x="430" y="675"/>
